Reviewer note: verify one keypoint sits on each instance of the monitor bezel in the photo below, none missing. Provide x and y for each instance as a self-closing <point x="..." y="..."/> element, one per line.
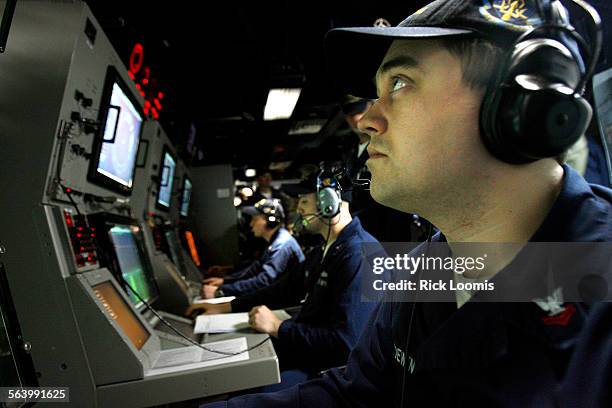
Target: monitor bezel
<point x="112" y="77"/>
<point x="169" y="151"/>
<point x="185" y="178"/>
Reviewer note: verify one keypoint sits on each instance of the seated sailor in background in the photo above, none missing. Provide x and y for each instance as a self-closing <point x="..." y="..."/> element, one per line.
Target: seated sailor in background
<point x="332" y="316"/>
<point x="282" y="254"/>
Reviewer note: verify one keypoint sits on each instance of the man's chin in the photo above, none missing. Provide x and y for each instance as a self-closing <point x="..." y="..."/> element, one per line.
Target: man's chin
<point x="378" y="193"/>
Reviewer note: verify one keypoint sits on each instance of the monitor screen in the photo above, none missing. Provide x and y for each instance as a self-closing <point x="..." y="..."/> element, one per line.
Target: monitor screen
<point x="175" y="251"/>
<point x="602" y="95"/>
<point x="131" y="264"/>
<point x="186" y="196"/>
<point x="119" y="311"/>
<point x="193" y="251"/>
<point x="166" y="179"/>
<point x="117" y="145"/>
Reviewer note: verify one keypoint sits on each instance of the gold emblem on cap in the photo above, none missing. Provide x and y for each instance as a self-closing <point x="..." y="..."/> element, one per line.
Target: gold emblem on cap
<point x="510" y="13"/>
<point x="512" y="9"/>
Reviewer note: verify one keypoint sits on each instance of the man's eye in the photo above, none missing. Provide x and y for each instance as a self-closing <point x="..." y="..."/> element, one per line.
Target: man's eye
<point x="397" y="84"/>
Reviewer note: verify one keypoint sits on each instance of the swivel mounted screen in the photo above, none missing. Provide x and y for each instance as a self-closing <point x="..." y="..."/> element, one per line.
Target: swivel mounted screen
<point x="116" y="143"/>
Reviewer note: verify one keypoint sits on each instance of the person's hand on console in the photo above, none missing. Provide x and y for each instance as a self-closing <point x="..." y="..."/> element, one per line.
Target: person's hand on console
<point x="213" y="281"/>
<point x="263" y="320"/>
<point x="199" y="308"/>
<point x="208" y="291"/>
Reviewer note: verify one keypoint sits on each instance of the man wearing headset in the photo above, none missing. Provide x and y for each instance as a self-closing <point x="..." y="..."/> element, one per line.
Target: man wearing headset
<point x="283" y="253"/>
<point x="470" y="145"/>
<point x="332" y="315"/>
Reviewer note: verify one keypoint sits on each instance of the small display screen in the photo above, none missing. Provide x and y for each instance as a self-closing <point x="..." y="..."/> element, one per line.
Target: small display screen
<point x="185" y="197"/>
<point x="167" y="177"/>
<point x="131" y="264"/>
<point x="119" y="311"/>
<point x="175" y="251"/>
<point x="123" y="122"/>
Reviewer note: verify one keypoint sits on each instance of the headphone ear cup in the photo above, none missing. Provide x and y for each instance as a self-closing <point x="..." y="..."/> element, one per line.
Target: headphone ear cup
<point x="328" y="202"/>
<point x="531" y="125"/>
<point x="530" y="110"/>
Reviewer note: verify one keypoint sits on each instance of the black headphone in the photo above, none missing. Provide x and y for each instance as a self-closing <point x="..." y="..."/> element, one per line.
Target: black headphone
<point x="272" y="210"/>
<point x="533" y="107"/>
<point x="329" y="190"/>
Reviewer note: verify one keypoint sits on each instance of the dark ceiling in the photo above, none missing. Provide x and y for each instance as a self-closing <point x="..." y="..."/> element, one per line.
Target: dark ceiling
<point x="216" y="61"/>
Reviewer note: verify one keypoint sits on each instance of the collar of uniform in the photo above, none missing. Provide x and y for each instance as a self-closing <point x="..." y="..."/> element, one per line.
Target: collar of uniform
<point x="351" y="229"/>
<point x="576" y="215"/>
<point x="276" y="237"/>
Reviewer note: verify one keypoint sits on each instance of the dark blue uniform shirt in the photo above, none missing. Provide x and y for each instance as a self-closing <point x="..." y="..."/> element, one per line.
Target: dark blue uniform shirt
<point x="283" y="253"/>
<point x="333" y="316"/>
<point x="483" y="354"/>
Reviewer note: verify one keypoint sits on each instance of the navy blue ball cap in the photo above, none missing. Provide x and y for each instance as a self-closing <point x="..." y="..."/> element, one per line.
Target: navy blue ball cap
<point x="267" y="207"/>
<point x="354" y="53"/>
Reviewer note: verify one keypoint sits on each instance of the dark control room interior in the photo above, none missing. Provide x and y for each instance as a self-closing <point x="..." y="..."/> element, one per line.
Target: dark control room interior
<point x="294" y="204"/>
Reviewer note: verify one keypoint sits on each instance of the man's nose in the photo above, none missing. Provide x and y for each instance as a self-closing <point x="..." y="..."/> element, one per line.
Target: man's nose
<point x="373" y="122"/>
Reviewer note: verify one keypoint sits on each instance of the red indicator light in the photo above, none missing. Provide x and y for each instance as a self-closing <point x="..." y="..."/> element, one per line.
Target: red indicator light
<point x="147" y="104"/>
<point x="138" y="87"/>
<point x="79" y="235"/>
<point x="82" y="248"/>
<point x="89" y="258"/>
<point x="93" y="235"/>
<point x="131" y="75"/>
<point x="136" y="58"/>
<point x="145" y="81"/>
<point x="160" y="95"/>
<point x="68" y="190"/>
<point x="157" y="104"/>
<point x="155" y="114"/>
<point x="80" y="228"/>
<point x="142" y="93"/>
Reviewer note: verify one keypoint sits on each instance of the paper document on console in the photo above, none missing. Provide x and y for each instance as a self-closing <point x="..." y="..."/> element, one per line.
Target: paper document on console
<point x="187" y="358"/>
<point x="214" y="301"/>
<point x="228" y="322"/>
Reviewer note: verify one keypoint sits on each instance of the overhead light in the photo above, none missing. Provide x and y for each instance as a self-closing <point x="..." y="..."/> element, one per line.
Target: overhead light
<point x="250" y="173"/>
<point x="237" y="201"/>
<point x="281" y="102"/>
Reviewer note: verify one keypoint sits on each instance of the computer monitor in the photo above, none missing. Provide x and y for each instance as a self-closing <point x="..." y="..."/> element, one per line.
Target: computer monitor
<point x="116" y="144"/>
<point x="121" y="250"/>
<point x="185" y="197"/>
<point x="166" y="179"/>
<point x="130" y="261"/>
<point x="602" y="95"/>
<point x="175" y="251"/>
<point x="119" y="311"/>
<point x="193" y="251"/>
